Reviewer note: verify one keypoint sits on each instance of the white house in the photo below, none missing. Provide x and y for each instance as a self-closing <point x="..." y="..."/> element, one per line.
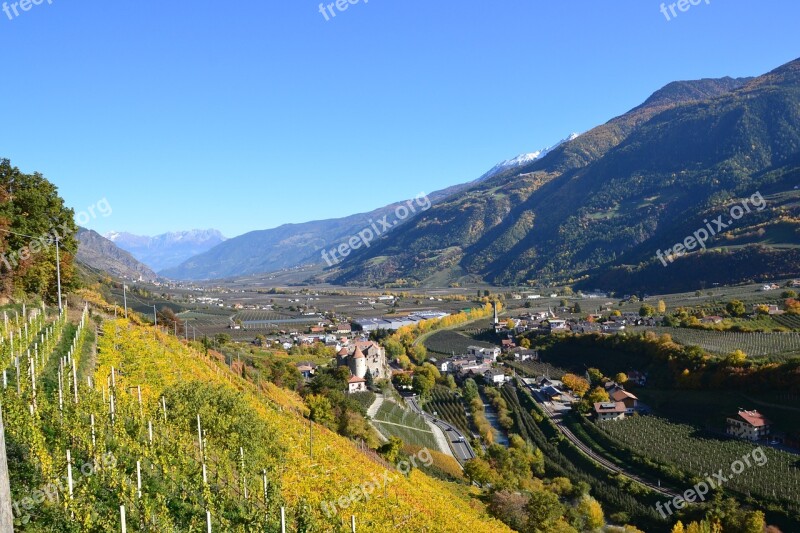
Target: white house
<point x="609" y="411"/>
<point x="487" y="353"/>
<point x="749" y="425"/>
<point x="494" y="376"/>
<point x="356" y="384"/>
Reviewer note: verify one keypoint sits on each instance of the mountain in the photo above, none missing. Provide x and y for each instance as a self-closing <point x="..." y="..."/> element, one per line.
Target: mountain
<point x="167" y="250"/>
<point x="524" y="159"/>
<point x="609" y="199"/>
<point x="292" y="245"/>
<point x="99" y="253"/>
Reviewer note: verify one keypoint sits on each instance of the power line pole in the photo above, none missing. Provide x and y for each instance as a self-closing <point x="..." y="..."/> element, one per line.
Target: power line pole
<point x="155" y="316"/>
<point x="58" y="276"/>
<point x="6" y="512"/>
<point x="125" y="298"/>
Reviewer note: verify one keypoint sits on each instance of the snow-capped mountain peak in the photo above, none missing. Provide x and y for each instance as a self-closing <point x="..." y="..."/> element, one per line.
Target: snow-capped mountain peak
<point x="524" y="159"/>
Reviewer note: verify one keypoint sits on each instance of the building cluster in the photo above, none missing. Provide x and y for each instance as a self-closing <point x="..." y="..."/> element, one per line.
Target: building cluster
<point x="547" y="322"/>
<point x="478" y="361"/>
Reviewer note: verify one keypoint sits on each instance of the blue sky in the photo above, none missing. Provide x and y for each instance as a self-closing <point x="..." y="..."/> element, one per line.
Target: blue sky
<point x="246" y="115"/>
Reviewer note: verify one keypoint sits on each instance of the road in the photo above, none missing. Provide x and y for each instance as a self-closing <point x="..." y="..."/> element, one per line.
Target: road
<point x="602" y="461"/>
<point x="458" y="442"/>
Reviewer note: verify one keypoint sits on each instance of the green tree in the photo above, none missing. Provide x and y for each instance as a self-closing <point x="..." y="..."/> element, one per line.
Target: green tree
<point x="391" y="450"/>
<point x="590" y="513"/>
<point x="479" y="471"/>
<point x="595" y="376"/>
<point x="418" y="353"/>
<point x="31" y="208"/>
<point x="736" y="308"/>
<point x="646" y="310"/>
<point x="394" y="348"/>
<point x="321" y="410"/>
<point x="423" y="384"/>
<point x="470" y="390"/>
<point x="544" y="510"/>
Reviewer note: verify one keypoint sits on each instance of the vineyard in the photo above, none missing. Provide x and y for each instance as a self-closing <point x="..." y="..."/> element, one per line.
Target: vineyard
<point x="725" y="342"/>
<point x="392" y="420"/>
<point x="681" y="446"/>
<point x="448" y="406"/>
<point x="171" y="440"/>
<point x="789" y="321"/>
<point x="449" y="342"/>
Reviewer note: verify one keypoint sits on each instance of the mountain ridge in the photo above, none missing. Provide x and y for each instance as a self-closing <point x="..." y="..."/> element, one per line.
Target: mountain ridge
<point x="167" y="249"/>
<point x="592" y="200"/>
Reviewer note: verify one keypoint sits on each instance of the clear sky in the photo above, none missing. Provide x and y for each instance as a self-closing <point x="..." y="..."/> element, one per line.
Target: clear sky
<point x="246" y="115"/>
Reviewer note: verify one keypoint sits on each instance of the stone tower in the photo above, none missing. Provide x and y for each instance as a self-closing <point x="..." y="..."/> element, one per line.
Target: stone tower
<point x="358" y="363"/>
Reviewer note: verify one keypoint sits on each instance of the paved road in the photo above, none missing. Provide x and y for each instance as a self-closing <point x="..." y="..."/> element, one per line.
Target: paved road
<point x="602" y="461"/>
<point x="457" y="441"/>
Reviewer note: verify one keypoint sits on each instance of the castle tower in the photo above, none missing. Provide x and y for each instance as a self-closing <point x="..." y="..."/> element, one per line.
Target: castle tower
<point x="358" y="363"/>
<point x="494" y="306"/>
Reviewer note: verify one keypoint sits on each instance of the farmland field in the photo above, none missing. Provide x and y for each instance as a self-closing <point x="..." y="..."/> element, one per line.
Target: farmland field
<point x="394" y="421"/>
<point x="448" y="342"/>
<point x="688" y="449"/>
<point x="725" y="342"/>
<point x="448" y="406"/>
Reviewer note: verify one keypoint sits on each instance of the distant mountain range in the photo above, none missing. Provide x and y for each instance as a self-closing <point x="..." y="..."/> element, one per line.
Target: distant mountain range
<point x="168" y="250"/>
<point x="292" y="245"/>
<point x="99" y="253"/>
<point x="598" y="208"/>
<point x="593" y="209"/>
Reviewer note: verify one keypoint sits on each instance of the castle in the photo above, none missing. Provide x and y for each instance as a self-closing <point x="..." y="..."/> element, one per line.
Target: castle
<point x="362" y="356"/>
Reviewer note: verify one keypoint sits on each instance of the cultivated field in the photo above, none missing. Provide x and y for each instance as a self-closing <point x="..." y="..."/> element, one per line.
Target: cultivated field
<point x="688" y="449"/>
<point x="448" y="406"/>
<point x="394" y="421"/>
<point x="725" y="342"/>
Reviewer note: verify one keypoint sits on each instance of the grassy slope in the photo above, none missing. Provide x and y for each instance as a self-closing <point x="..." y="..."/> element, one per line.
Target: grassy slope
<point x="418" y="503"/>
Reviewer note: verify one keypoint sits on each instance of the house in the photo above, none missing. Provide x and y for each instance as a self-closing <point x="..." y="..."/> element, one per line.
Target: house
<point x="524" y="354"/>
<point x="547" y="382"/>
<point x="343" y="329"/>
<point x="613" y="327"/>
<point x="712" y="319"/>
<point x="630" y="401"/>
<point x="507" y="344"/>
<point x="795" y="283"/>
<point x="551" y="392"/>
<point x="557" y="325"/>
<point x="609" y="411"/>
<point x="749" y="425"/>
<point x="494" y="376"/>
<point x="307" y="370"/>
<point x="471" y="367"/>
<point x="771" y="309"/>
<point x="356" y="384"/>
<point x="486" y="353"/>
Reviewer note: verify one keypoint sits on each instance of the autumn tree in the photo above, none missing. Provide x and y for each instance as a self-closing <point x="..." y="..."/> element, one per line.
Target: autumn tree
<point x="736" y="308"/>
<point x="576" y="384"/>
<point x="591" y="514"/>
